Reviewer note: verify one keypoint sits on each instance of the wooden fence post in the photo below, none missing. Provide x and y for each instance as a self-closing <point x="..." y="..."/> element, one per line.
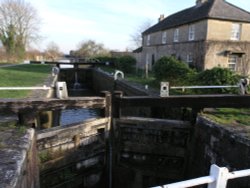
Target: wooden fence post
<point x="116" y="104"/>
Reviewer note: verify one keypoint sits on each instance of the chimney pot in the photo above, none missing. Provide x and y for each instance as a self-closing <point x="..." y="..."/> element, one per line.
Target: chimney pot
<point x="199" y="2"/>
<point x="161" y="17"/>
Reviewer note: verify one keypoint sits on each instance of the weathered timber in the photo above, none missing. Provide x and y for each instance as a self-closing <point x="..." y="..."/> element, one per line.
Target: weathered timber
<point x="192" y="101"/>
<point x="17" y="105"/>
<point x="72" y="143"/>
<point x="150" y="123"/>
<point x="151" y="147"/>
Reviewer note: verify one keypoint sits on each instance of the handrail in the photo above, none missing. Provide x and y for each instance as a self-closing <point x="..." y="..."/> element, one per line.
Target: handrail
<point x="26" y="88"/>
<point x="204" y="87"/>
<point x="217" y="179"/>
<point x="242" y="85"/>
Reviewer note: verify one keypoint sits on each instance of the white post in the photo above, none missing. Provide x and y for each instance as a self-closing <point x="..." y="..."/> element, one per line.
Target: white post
<point x="118" y="74"/>
<point x="55" y="71"/>
<point x="61" y="90"/>
<point x="164" y="89"/>
<point x="220" y="175"/>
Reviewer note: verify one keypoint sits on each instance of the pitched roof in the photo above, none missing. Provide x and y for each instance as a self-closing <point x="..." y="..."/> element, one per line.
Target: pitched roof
<point x="213" y="9"/>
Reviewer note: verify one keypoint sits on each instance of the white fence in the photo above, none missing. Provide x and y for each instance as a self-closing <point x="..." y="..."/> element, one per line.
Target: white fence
<point x="217" y="179"/>
<point x="242" y="86"/>
<point x="204" y="87"/>
<point x="25" y="88"/>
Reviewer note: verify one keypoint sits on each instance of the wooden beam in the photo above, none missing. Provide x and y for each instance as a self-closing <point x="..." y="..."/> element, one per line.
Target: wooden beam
<point x="34" y="104"/>
<point x="192" y="101"/>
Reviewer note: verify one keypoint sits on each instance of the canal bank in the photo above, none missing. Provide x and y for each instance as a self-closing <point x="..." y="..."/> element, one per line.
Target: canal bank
<point x="143" y="151"/>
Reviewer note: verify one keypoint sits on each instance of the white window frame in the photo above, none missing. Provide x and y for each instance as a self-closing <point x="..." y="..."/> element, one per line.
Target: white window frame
<point x="176" y="35"/>
<point x="147" y="59"/>
<point x="232" y="62"/>
<point x="191" y="32"/>
<point x="236" y="31"/>
<point x="148" y="40"/>
<point x="190" y="58"/>
<point x="164" y="37"/>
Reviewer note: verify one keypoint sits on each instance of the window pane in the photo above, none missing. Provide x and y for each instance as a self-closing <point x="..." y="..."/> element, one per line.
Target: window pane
<point x="235" y="33"/>
<point x="148" y="40"/>
<point x="232" y="61"/>
<point x="176" y="35"/>
<point x="164" y="37"/>
<point x="191" y="33"/>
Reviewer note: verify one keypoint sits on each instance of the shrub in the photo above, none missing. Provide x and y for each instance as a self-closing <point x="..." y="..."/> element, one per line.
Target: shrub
<point x="126" y="64"/>
<point x="105" y="59"/>
<point x="172" y="70"/>
<point x="217" y="76"/>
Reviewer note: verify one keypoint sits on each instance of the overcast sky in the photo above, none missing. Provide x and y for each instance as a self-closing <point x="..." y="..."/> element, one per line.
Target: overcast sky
<point x="110" y="22"/>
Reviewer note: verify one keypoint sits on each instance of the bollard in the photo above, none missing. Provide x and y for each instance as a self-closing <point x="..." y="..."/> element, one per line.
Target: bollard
<point x="61" y="90"/>
<point x="243" y="85"/>
<point x="118" y="74"/>
<point x="55" y="71"/>
<point x="164" y="89"/>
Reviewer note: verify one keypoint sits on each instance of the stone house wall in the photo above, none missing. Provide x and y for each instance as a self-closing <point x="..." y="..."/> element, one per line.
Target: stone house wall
<point x="212" y="37"/>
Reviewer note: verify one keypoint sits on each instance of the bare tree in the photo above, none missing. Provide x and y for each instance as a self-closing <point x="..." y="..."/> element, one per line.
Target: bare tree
<point x="136" y="37"/>
<point x="90" y="49"/>
<point x="19" y="26"/>
<point x="53" y="51"/>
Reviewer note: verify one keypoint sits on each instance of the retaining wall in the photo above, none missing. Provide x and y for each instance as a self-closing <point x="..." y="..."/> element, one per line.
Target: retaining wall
<point x="221" y="145"/>
<point x="18" y="167"/>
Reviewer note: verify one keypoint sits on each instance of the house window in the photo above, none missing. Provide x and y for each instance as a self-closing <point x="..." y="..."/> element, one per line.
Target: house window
<point x="232" y="61"/>
<point x="236" y="30"/>
<point x="176" y="35"/>
<point x="148" y="40"/>
<point x="191" y="32"/>
<point x="164" y="37"/>
<point x="147" y="59"/>
<point x="190" y="59"/>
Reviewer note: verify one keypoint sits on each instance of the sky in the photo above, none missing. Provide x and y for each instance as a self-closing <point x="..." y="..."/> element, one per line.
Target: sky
<point x="111" y="22"/>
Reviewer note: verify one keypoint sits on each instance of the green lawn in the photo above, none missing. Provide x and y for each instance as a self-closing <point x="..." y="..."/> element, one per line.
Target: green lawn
<point x="22" y="75"/>
<point x="230" y="116"/>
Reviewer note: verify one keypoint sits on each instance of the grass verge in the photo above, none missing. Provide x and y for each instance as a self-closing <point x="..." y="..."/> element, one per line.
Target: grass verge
<point x="230" y="116"/>
<point x="22" y="75"/>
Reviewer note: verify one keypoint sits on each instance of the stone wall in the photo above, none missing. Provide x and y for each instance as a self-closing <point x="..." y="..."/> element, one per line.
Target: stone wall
<point x="221" y="145"/>
<point x="102" y="81"/>
<point x="18" y="167"/>
<point x="221" y="30"/>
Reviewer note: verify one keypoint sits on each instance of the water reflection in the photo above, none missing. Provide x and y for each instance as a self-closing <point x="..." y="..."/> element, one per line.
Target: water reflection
<point x="71" y="116"/>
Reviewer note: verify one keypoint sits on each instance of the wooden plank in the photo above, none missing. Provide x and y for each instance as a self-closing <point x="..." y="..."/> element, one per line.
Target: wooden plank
<point x="34" y="104"/>
<point x="193" y="101"/>
<point x="152" y="123"/>
<point x="71" y="129"/>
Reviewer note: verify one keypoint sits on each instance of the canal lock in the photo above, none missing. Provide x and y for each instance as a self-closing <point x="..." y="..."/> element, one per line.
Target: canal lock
<point x="75" y="157"/>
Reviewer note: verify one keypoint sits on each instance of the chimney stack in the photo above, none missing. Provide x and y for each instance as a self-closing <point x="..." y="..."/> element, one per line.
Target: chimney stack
<point x="200" y="2"/>
<point x="161" y="17"/>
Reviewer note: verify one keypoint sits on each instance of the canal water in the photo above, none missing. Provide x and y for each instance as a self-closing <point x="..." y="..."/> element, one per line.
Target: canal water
<point x="64" y="117"/>
<point x="71" y="116"/>
<point x="69" y="176"/>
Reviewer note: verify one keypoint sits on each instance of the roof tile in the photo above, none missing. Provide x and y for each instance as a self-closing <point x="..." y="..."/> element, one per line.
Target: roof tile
<point x="214" y="9"/>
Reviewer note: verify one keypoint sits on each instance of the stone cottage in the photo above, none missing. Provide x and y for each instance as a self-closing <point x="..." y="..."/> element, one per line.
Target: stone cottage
<point x="212" y="33"/>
